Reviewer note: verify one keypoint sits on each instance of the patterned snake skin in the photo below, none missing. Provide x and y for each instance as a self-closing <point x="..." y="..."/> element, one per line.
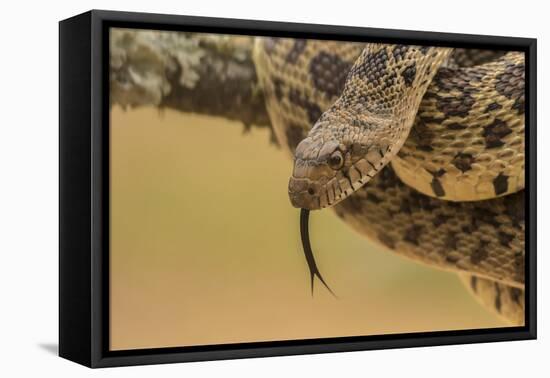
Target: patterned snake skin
<point x="450" y="122"/>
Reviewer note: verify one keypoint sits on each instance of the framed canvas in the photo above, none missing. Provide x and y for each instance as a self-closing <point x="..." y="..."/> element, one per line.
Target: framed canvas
<point x="194" y="152"/>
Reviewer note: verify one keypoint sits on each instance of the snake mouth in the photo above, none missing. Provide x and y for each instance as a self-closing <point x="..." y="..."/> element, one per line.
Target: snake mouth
<point x="311" y="195"/>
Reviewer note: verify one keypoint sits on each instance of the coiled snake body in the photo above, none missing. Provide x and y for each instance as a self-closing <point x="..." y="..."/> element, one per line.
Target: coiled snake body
<point x="419" y="148"/>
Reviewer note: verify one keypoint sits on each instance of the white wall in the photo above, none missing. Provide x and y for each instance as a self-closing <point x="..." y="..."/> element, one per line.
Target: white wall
<point x="28" y="186"/>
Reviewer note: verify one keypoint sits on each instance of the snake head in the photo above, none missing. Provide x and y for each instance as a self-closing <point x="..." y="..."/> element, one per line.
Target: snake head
<point x="328" y="167"/>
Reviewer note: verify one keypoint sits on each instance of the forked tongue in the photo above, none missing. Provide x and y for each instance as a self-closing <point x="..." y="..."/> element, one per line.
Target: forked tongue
<point x="304" y="233"/>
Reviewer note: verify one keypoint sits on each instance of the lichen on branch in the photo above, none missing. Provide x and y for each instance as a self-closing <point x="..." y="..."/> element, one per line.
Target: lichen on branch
<point x="189" y="72"/>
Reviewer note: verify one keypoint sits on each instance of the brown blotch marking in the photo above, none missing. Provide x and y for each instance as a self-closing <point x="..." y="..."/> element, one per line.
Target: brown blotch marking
<point x="480" y="253"/>
<point x="372" y="66"/>
<point x="270" y="44"/>
<point x="519" y="105"/>
<point x="388" y="179"/>
<point x="405" y="207"/>
<point x="387" y="240"/>
<point x="422" y="135"/>
<point x="480" y="214"/>
<point x="440" y="219"/>
<point x="463" y="161"/>
<point x="451" y="241"/>
<point x="473" y="283"/>
<point x="468" y="229"/>
<point x="421" y="201"/>
<point x="473" y="57"/>
<point x="456" y="126"/>
<point x="424" y="49"/>
<point x="500" y="184"/>
<point x="451" y="259"/>
<point x="328" y="73"/>
<point x="294" y="135"/>
<point x="494" y="133"/>
<point x="297" y="49"/>
<point x="412" y="234"/>
<point x="409" y="74"/>
<point x="400" y="51"/>
<point x="493" y="106"/>
<point x="516" y="295"/>
<point x="498" y="300"/>
<point x="453" y="105"/>
<point x="511" y="82"/>
<point x="278" y="88"/>
<point x="515" y="209"/>
<point x="519" y="262"/>
<point x="505" y="238"/>
<point x="313" y="111"/>
<point x="353" y="205"/>
<point x="373" y="198"/>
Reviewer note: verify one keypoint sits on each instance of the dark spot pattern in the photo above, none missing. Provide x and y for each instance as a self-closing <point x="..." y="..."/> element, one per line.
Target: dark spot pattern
<point x="519" y="105"/>
<point x="409" y="74"/>
<point x="468" y="229"/>
<point x="481" y="215"/>
<point x="405" y="207"/>
<point x="440" y="219"/>
<point x="421" y="202"/>
<point x="494" y="133"/>
<point x="270" y="44"/>
<point x="473" y="283"/>
<point x="376" y="63"/>
<point x="474" y="57"/>
<point x="412" y="234"/>
<point x="388" y="179"/>
<point x="422" y="135"/>
<point x="511" y="82"/>
<point x="515" y="209"/>
<point x="519" y="262"/>
<point x="353" y="205"/>
<point x="451" y="259"/>
<point x="498" y="300"/>
<point x="451" y="241"/>
<point x="456" y="126"/>
<point x="500" y="184"/>
<point x="516" y="295"/>
<point x="278" y="88"/>
<point x="451" y="106"/>
<point x="329" y="73"/>
<point x="296" y="50"/>
<point x="463" y="161"/>
<point x="480" y="253"/>
<point x="400" y="51"/>
<point x="493" y="106"/>
<point x="373" y="198"/>
<point x="505" y="238"/>
<point x="424" y="49"/>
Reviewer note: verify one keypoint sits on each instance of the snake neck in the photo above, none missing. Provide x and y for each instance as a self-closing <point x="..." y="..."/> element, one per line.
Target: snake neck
<point x="361" y="132"/>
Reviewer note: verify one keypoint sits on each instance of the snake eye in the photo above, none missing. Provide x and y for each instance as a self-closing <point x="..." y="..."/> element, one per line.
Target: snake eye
<point x="336" y="161"/>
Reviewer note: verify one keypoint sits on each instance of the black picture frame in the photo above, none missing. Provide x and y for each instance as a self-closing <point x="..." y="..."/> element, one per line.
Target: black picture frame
<point x="84" y="189"/>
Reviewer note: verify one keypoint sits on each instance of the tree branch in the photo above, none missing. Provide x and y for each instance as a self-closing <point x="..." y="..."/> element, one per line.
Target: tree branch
<point x="199" y="73"/>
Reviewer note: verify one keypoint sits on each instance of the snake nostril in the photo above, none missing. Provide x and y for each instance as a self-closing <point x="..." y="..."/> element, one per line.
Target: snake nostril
<point x="311" y="191"/>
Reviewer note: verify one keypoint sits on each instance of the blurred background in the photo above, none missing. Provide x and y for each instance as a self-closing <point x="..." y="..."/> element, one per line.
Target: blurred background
<point x="205" y="248"/>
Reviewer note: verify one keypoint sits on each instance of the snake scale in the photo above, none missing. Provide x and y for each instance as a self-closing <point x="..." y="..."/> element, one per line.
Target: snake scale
<point x="419" y="148"/>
